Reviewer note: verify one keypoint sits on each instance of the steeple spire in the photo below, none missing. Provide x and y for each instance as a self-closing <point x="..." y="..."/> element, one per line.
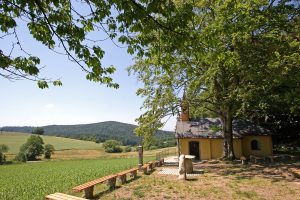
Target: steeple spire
<point x="184" y="115"/>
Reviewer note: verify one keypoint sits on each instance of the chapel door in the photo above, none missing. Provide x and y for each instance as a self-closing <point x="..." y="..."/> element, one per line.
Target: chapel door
<point x="194" y="149"/>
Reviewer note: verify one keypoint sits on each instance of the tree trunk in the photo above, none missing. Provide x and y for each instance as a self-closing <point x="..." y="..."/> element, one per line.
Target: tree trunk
<point x="228" y="152"/>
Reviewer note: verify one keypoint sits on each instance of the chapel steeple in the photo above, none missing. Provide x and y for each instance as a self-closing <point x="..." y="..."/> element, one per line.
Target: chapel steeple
<point x="184" y="115"/>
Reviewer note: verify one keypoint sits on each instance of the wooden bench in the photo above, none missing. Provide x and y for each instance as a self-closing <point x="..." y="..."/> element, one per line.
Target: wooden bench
<point x="156" y="163"/>
<point x="145" y="168"/>
<point x="274" y="158"/>
<point x="161" y="161"/>
<point x="256" y="158"/>
<point x="88" y="187"/>
<point x="293" y="158"/>
<point x="151" y="166"/>
<point x="295" y="171"/>
<point x="122" y="175"/>
<point x="61" y="196"/>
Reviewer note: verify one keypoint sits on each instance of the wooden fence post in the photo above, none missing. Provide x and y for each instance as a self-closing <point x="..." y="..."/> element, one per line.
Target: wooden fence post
<point x="140" y="151"/>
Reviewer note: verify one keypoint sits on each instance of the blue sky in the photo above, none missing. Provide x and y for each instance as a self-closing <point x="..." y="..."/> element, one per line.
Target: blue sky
<point x="78" y="101"/>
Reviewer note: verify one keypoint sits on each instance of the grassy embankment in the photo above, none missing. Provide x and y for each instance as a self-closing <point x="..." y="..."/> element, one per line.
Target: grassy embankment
<point x="66" y="148"/>
<point x="15" y="140"/>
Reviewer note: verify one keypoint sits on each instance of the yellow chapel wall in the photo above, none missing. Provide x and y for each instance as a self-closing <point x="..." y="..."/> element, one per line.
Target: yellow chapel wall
<point x="264" y="143"/>
<point x="204" y="147"/>
<point x="217" y="148"/>
<point x="237" y="148"/>
<point x="210" y="148"/>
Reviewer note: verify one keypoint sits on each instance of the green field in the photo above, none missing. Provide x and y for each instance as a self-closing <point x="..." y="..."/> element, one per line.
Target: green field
<point x="15" y="140"/>
<point x="35" y="180"/>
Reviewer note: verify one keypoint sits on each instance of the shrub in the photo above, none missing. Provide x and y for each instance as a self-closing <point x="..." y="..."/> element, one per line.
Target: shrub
<point x="49" y="149"/>
<point x="127" y="149"/>
<point x="112" y="146"/>
<point x="136" y="148"/>
<point x="33" y="147"/>
<point x="2" y="158"/>
<point x="21" y="157"/>
<point x="153" y="147"/>
<point x="3" y="149"/>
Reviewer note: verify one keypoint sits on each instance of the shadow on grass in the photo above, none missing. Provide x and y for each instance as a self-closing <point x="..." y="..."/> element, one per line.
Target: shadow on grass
<point x="149" y="172"/>
<point x="99" y="195"/>
<point x="8" y="163"/>
<point x="273" y="171"/>
<point x="191" y="179"/>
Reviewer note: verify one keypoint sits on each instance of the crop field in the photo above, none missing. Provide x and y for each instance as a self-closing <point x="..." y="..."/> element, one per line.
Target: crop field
<point x="15" y="140"/>
<point x="35" y="180"/>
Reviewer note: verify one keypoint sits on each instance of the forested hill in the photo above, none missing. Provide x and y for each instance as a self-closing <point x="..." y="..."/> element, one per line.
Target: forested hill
<point x="97" y="132"/>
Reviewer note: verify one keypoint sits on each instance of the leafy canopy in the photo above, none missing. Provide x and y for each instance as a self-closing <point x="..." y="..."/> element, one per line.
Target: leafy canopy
<point x="71" y="28"/>
<point x="230" y="57"/>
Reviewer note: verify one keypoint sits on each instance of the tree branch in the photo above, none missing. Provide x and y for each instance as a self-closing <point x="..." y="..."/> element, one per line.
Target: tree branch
<point x="59" y="38"/>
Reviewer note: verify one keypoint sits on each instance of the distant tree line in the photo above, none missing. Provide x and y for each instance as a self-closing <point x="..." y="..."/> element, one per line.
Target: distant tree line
<point x="38" y="131"/>
<point x="115" y="146"/>
<point x="160" y="141"/>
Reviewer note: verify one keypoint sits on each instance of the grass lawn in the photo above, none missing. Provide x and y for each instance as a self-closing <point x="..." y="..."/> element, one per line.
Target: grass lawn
<point x="99" y="153"/>
<point x="218" y="182"/>
<point x="15" y="140"/>
<point x="68" y="149"/>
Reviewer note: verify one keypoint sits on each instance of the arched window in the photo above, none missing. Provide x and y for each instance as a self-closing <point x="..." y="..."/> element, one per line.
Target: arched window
<point x="254" y="145"/>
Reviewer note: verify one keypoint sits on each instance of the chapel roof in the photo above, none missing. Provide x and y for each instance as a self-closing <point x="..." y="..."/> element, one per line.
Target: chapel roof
<point x="212" y="128"/>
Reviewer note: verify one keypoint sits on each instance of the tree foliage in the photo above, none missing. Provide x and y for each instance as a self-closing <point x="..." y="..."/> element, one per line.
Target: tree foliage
<point x="285" y="126"/>
<point x="32" y="148"/>
<point x="3" y="149"/>
<point x="127" y="149"/>
<point x="112" y="146"/>
<point x="232" y="58"/>
<point x="20" y="157"/>
<point x="49" y="150"/>
<point x="71" y="28"/>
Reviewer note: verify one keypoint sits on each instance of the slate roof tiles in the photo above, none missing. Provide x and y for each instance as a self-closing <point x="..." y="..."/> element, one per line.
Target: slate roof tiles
<point x="212" y="128"/>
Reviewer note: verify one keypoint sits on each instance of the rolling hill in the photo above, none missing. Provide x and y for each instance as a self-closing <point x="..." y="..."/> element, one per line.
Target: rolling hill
<point x="97" y="132"/>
